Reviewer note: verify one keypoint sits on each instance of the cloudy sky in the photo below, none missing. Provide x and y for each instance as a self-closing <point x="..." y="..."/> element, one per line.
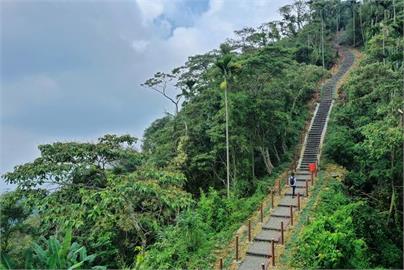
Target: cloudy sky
<point x="71" y="70"/>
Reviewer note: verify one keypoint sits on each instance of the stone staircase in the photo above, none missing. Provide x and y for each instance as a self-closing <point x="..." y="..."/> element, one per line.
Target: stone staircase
<point x="259" y="253"/>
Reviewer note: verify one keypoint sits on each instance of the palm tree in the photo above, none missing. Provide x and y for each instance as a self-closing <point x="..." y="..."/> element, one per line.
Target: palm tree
<point x="226" y="68"/>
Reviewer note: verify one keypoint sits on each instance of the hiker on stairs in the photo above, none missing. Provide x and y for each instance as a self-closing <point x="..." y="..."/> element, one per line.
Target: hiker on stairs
<point x="292" y="183"/>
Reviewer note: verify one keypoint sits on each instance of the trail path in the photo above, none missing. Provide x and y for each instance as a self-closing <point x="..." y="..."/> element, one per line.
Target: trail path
<point x="260" y="249"/>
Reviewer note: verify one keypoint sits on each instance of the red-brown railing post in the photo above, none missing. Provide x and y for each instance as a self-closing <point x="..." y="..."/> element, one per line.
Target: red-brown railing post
<point x="291" y="215"/>
<point x="273" y="252"/>
<point x="311" y="177"/>
<point x="282" y="235"/>
<point x="249" y="230"/>
<point x="221" y="264"/>
<point x="316" y="167"/>
<point x="262" y="266"/>
<point x="237" y="248"/>
<point x="262" y="213"/>
<point x="307" y="189"/>
<point x="272" y="199"/>
<point x="279" y="187"/>
<point x="298" y="201"/>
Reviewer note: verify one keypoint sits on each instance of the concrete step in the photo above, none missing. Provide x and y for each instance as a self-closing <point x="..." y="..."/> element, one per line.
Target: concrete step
<point x="275" y="223"/>
<point x="252" y="262"/>
<point x="287" y="201"/>
<point x="260" y="249"/>
<point x="302" y="172"/>
<point x="283" y="212"/>
<point x="303" y="178"/>
<point x="306" y="162"/>
<point x="302" y="184"/>
<point x="300" y="189"/>
<point x="268" y="236"/>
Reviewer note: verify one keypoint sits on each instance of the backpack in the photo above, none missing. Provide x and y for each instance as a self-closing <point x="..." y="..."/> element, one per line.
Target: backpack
<point x="292" y="180"/>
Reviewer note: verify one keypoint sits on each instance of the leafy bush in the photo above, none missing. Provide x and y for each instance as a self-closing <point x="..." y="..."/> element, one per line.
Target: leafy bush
<point x="330" y="241"/>
<point x="189" y="243"/>
<point x="365" y="136"/>
<point x="52" y="254"/>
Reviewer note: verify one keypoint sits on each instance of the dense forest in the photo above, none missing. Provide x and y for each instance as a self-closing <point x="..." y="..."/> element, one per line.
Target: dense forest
<point x="203" y="169"/>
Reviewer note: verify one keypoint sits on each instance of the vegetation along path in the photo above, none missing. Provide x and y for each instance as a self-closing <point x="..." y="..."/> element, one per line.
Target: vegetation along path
<point x="260" y="250"/>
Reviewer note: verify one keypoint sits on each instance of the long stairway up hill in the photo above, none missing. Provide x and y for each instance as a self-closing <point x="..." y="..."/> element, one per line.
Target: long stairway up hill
<point x="259" y="251"/>
<point x="316" y="133"/>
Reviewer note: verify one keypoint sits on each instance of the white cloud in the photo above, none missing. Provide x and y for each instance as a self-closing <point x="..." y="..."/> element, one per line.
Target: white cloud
<point x="140" y="45"/>
<point x="214" y="7"/>
<point x="212" y="28"/>
<point x="150" y="9"/>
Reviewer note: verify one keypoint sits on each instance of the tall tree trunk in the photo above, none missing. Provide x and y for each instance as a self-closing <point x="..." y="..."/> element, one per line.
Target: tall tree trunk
<point x="278" y="159"/>
<point x="384" y="50"/>
<point x="322" y="38"/>
<point x="234" y="167"/>
<point x="384" y="36"/>
<point x="338" y="14"/>
<point x="393" y="193"/>
<point x="186" y="128"/>
<point x="392" y="203"/>
<point x="267" y="159"/>
<point x="283" y="144"/>
<point x="252" y="162"/>
<point x="361" y="25"/>
<point x="227" y="143"/>
<point x="353" y="25"/>
<point x="394" y="11"/>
